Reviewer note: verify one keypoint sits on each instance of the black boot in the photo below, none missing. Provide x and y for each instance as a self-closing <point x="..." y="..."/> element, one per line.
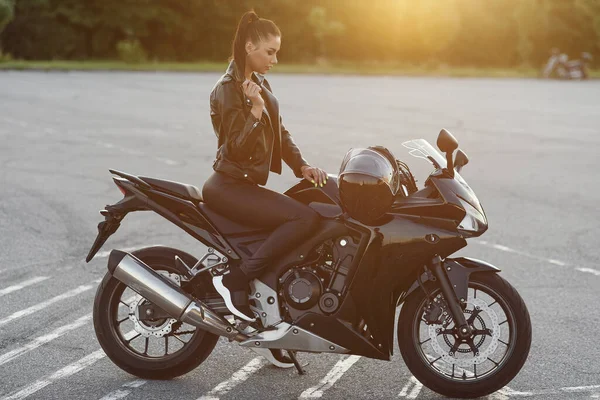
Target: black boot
<point x="233" y="288"/>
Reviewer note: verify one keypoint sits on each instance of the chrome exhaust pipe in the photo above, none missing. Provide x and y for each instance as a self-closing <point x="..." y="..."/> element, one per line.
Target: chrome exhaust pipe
<point x="158" y="290"/>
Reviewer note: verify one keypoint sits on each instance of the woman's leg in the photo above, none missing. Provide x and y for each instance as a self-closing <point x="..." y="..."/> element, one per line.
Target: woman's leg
<point x="253" y="205"/>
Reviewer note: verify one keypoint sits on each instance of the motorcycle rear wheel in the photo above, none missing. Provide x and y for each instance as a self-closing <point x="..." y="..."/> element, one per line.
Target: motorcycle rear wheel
<point x="138" y="354"/>
<point x="442" y="362"/>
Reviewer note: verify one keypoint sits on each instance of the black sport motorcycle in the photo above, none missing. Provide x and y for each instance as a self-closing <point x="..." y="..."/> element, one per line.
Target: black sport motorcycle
<point x="383" y="243"/>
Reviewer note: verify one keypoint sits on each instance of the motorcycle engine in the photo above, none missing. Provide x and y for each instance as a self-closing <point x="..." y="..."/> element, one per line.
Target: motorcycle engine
<point x="302" y="288"/>
<point x="319" y="286"/>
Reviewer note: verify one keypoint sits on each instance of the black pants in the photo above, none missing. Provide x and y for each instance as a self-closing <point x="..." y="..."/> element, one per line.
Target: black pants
<point x="249" y="204"/>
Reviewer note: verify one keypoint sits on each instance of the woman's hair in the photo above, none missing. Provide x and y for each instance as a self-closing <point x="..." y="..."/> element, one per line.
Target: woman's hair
<point x="252" y="28"/>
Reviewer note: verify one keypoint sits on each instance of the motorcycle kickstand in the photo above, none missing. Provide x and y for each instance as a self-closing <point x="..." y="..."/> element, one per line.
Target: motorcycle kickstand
<point x="292" y="355"/>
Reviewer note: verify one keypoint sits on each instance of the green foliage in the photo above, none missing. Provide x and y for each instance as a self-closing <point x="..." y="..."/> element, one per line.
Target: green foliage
<point x="499" y="33"/>
<point x="131" y="51"/>
<point x="5" y="57"/>
<point x="7" y="8"/>
<point x="323" y="29"/>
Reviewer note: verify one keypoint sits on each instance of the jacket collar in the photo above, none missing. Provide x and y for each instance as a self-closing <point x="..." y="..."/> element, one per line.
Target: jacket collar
<point x="234" y="72"/>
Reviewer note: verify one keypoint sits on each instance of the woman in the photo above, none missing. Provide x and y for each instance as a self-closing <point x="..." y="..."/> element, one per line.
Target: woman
<point x="252" y="141"/>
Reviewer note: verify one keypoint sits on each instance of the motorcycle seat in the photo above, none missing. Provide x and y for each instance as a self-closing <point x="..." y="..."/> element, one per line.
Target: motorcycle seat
<point x="178" y="189"/>
<point x="225" y="225"/>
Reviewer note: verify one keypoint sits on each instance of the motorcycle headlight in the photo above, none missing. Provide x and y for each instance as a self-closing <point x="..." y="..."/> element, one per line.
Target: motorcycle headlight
<point x="473" y="222"/>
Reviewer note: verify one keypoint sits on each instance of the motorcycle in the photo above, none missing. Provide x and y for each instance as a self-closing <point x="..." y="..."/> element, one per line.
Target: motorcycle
<point x="559" y="66"/>
<point x="383" y="243"/>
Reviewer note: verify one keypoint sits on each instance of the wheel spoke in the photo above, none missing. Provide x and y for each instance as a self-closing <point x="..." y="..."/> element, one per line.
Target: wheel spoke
<point x="125" y="304"/>
<point x="475" y="370"/>
<point x="455" y="347"/>
<point x="503" y="322"/>
<point x="503" y="342"/>
<point x="474" y="349"/>
<point x="166" y="345"/>
<point x="146" y="346"/>
<point x="119" y="322"/>
<point x="446" y="332"/>
<point x="495" y="363"/>
<point x="473" y="316"/>
<point x="178" y="338"/>
<point x="420" y="343"/>
<point x="482" y="332"/>
<point x="433" y="362"/>
<point x="489" y="305"/>
<point x="452" y="371"/>
<point x="135" y="337"/>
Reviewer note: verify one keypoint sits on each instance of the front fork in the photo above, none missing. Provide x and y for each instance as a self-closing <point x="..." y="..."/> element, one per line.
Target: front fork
<point x="454" y="304"/>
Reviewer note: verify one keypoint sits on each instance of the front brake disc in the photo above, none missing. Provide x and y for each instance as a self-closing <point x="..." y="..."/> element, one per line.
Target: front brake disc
<point x="483" y="355"/>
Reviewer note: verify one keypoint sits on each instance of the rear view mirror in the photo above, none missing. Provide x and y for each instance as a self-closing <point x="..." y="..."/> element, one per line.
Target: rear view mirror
<point x="461" y="160"/>
<point x="446" y="142"/>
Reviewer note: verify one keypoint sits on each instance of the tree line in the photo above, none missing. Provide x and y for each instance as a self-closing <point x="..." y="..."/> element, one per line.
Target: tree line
<point x="502" y="33"/>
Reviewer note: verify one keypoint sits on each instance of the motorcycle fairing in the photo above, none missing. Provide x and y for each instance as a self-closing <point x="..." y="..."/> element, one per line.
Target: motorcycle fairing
<point x="390" y="254"/>
<point x="396" y="251"/>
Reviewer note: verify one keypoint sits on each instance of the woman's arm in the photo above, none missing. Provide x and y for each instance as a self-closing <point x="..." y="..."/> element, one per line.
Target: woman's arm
<point x="292" y="157"/>
<point x="242" y="130"/>
<point x="290" y="153"/>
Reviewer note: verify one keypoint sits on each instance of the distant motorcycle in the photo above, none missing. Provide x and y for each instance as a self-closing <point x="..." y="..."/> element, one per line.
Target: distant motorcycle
<point x="382" y="243"/>
<point x="560" y="67"/>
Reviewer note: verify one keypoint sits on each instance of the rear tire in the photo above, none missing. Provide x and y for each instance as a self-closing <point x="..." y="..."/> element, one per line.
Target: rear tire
<point x="411" y="347"/>
<point x="108" y="296"/>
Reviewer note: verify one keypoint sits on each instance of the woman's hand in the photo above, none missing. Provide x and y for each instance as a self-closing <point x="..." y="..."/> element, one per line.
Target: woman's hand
<point x="314" y="175"/>
<point x="252" y="91"/>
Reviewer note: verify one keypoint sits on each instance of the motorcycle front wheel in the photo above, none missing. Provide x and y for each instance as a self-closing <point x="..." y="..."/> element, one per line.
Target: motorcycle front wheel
<point x="473" y="367"/>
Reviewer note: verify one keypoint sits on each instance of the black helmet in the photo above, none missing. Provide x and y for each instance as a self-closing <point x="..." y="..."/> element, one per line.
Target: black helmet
<point x="368" y="182"/>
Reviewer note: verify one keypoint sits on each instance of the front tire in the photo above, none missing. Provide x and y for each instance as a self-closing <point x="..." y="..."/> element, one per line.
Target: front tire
<point x="114" y="328"/>
<point x="439" y="360"/>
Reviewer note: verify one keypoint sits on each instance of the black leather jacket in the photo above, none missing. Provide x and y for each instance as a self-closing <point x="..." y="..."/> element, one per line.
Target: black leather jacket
<point x="249" y="148"/>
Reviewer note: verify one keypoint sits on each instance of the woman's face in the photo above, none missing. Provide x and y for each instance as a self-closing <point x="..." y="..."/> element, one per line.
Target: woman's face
<point x="263" y="56"/>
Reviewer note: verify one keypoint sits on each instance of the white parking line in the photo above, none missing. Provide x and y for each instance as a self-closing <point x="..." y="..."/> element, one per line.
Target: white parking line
<point x="238" y="377"/>
<point x="556" y="262"/>
<point x="45" y="304"/>
<point x="332" y="377"/>
<point x="22" y="285"/>
<point x="416" y="388"/>
<point x="591" y="271"/>
<point x="522" y="253"/>
<point x="65" y="372"/>
<point x="548" y="392"/>
<point x="41" y="340"/>
<point x="580" y="388"/>
<point x="167" y="161"/>
<point x="121" y="393"/>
